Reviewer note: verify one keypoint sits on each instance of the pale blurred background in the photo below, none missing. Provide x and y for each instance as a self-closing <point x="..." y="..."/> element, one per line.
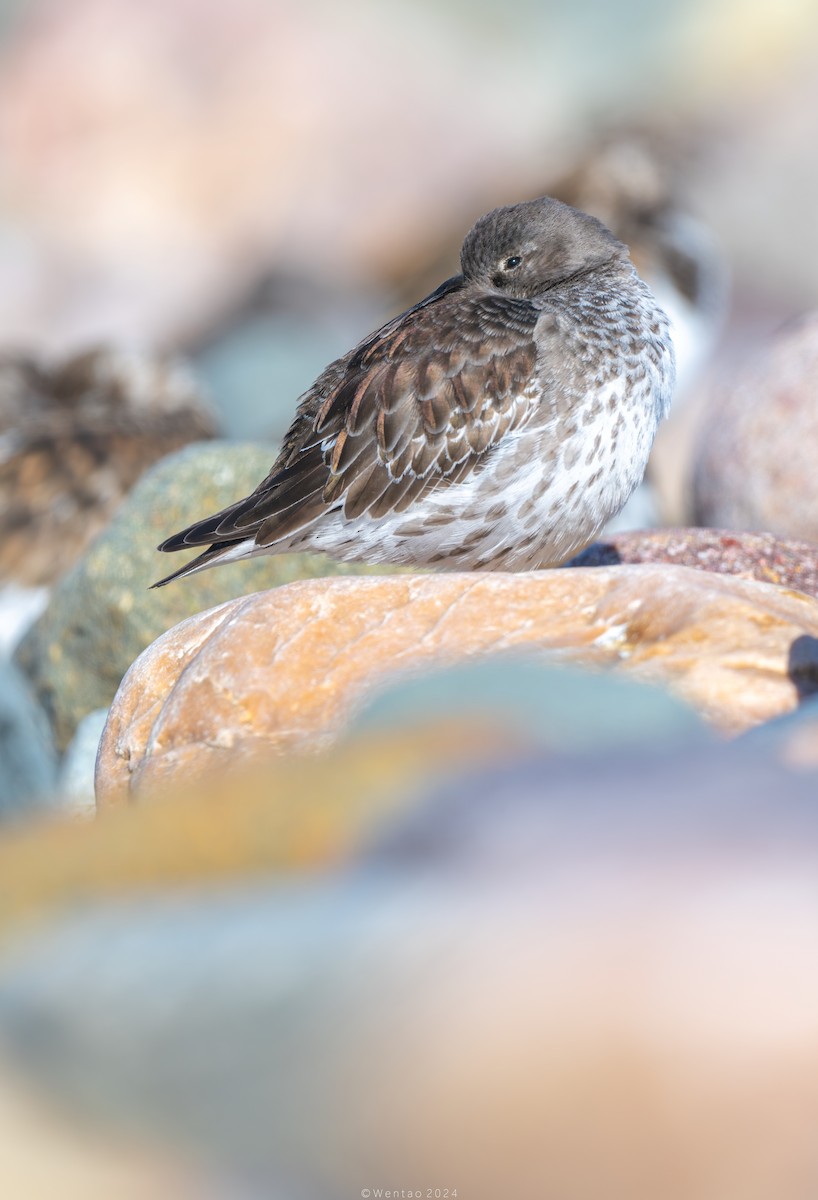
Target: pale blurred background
<point x="169" y="169"/>
<point x="250" y="186"/>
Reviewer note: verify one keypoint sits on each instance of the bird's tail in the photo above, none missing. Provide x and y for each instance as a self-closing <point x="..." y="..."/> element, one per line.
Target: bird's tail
<point x="224" y="552"/>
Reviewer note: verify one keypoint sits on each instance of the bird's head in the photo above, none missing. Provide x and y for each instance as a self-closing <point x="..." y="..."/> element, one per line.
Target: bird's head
<point x="525" y="249"/>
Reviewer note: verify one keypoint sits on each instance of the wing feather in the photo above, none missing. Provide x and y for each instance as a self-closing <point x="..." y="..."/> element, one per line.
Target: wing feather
<point x="416" y="406"/>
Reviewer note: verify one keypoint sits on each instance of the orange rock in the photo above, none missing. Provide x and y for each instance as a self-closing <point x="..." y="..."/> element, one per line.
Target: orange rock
<point x="284" y="670"/>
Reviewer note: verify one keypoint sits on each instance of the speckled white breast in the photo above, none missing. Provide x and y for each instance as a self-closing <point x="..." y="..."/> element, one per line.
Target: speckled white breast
<point x="545" y="491"/>
<point x="527" y="508"/>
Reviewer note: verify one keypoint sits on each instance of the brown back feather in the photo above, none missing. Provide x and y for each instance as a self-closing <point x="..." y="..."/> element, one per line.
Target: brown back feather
<point x="414" y="407"/>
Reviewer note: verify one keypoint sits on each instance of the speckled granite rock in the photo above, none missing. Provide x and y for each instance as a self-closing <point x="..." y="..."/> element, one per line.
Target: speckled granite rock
<point x="756" y="460"/>
<point x="102" y="614"/>
<point x="285" y="671"/>
<point x="761" y="556"/>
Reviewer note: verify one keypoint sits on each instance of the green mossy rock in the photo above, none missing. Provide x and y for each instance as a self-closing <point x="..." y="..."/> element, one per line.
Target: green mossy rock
<point x="102" y="614"/>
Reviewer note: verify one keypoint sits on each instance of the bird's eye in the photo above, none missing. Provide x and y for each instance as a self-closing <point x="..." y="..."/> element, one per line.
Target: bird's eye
<point x="512" y="262"/>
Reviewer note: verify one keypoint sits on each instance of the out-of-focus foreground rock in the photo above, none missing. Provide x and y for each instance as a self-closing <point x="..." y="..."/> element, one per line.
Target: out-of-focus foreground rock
<point x="588" y="977"/>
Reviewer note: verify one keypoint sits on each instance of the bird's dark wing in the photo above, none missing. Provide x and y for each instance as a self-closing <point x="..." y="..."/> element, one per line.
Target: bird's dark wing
<point x="414" y="407"/>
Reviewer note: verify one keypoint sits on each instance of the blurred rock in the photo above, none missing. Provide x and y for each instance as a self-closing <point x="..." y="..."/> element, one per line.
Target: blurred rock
<point x="640" y="512"/>
<point x="589" y="977"/>
<point x="761" y="556"/>
<point x="262" y="354"/>
<point x="793" y="738"/>
<point x="528" y="703"/>
<point x="294" y="815"/>
<point x="102" y="614"/>
<point x="634" y="182"/>
<point x="755" y="466"/>
<point x="19" y="609"/>
<point x="75" y="786"/>
<point x="28" y="764"/>
<point x="755" y="176"/>
<point x="74" y="438"/>
<point x="285" y="671"/>
<point x="671" y="460"/>
<point x="157" y="158"/>
<point x="48" y="1154"/>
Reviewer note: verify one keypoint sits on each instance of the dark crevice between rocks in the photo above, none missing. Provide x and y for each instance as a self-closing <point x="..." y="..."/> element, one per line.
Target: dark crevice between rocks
<point x="802" y="666"/>
<point x="598" y="554"/>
